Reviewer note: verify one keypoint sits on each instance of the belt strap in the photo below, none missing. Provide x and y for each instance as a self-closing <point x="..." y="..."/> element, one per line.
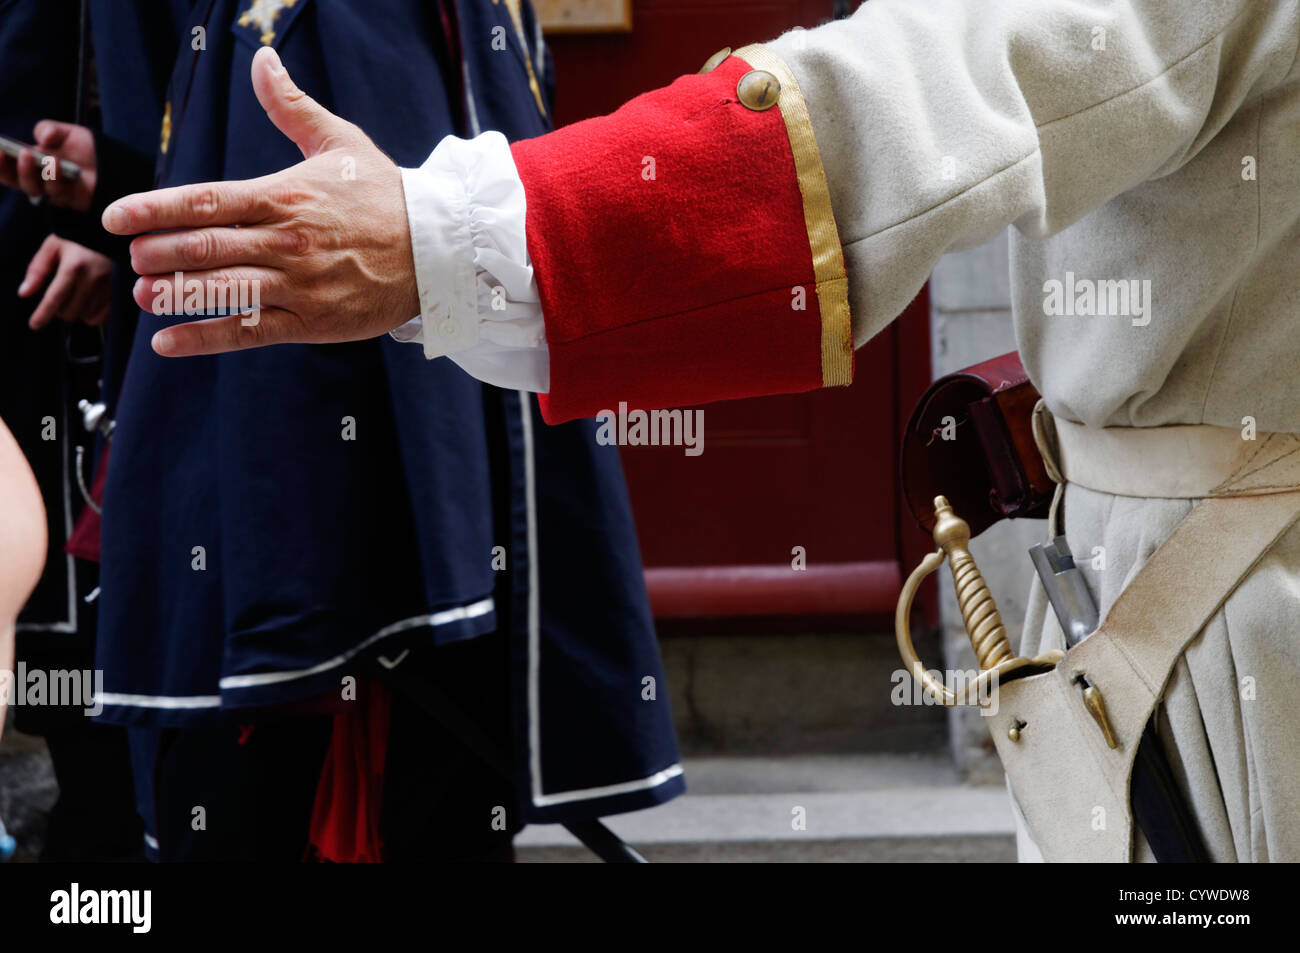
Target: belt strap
<point x="1187" y="579"/>
<point x="1253" y="499"/>
<point x="1177" y="462"/>
<point x="1061" y="768"/>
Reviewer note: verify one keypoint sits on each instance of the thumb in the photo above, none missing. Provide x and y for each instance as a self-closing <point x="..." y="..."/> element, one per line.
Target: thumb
<point x="312" y="127"/>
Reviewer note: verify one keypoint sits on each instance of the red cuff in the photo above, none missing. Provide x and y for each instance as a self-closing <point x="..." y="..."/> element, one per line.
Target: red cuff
<point x="685" y="249"/>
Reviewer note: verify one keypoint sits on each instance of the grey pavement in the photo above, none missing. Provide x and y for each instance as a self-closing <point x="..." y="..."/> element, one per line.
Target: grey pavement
<point x="853" y="808"/>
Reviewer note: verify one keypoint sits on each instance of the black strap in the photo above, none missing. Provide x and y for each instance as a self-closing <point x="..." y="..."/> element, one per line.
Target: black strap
<point x="1158" y="806"/>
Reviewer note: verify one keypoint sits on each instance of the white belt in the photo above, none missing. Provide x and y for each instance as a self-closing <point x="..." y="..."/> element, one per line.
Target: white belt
<point x="1184" y="461"/>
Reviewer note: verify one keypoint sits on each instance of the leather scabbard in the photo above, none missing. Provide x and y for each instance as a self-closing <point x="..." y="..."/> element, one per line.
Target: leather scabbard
<point x="971" y="439"/>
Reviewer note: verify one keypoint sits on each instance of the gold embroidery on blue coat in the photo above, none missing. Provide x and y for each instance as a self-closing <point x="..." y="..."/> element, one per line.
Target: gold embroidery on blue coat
<point x="262" y="13"/>
<point x="166" y="128"/>
<point x="517" y="19"/>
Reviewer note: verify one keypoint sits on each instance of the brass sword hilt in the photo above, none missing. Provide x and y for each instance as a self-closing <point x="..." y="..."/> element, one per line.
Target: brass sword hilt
<point x="979" y="613"/>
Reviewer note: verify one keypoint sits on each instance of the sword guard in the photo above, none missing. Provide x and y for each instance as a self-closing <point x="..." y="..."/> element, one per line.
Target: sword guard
<point x="978" y="611"/>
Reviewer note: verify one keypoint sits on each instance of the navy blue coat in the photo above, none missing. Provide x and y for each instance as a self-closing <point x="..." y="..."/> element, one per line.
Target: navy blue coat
<point x="273" y="516"/>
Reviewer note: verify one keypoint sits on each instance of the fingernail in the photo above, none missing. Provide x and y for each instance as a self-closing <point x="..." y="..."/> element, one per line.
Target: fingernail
<point x="162" y="343"/>
<point x="277" y="67"/>
<point x="115" y="219"/>
<point x="22" y="289"/>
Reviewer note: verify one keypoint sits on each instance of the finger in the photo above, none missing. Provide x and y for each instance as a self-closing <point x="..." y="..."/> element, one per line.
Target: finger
<point x="59" y="189"/>
<point x="29" y="174"/>
<point x="55" y="299"/>
<point x="232" y="333"/>
<point x="210" y="292"/>
<point x="312" y="127"/>
<point x="191" y="206"/>
<point x="42" y="263"/>
<point x="209" y="248"/>
<point x="50" y="135"/>
<point x="79" y="302"/>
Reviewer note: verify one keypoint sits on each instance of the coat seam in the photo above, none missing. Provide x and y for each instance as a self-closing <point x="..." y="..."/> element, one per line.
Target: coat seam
<point x="1216" y="36"/>
<point x="950" y="199"/>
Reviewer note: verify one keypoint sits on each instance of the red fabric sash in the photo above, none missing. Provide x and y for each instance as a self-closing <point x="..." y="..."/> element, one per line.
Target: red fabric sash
<point x="350" y="795"/>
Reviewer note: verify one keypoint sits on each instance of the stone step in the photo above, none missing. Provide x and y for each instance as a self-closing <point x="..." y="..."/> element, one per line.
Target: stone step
<point x="773" y="694"/>
<point x="855" y="809"/>
<point x="967" y="849"/>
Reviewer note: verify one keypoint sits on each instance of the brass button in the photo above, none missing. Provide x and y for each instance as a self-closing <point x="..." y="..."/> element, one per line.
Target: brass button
<point x="714" y="61"/>
<point x="758" y="90"/>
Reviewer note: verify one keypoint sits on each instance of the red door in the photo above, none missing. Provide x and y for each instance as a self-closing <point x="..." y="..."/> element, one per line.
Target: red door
<point x="793" y="507"/>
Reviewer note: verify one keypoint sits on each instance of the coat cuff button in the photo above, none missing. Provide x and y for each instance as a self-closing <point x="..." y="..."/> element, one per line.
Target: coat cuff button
<point x="758" y="90"/>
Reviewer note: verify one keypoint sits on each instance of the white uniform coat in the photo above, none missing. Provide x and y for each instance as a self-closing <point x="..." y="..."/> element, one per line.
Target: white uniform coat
<point x="1150" y="142"/>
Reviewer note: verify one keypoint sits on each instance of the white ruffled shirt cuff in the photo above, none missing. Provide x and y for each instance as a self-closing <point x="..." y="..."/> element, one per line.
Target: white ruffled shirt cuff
<point x="479" y="304"/>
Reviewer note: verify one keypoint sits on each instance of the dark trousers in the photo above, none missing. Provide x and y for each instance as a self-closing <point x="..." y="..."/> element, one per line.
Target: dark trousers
<point x="255" y="777"/>
<point x="94" y="818"/>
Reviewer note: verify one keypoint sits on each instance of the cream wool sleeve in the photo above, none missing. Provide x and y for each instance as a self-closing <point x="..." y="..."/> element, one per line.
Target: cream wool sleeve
<point x="942" y="122"/>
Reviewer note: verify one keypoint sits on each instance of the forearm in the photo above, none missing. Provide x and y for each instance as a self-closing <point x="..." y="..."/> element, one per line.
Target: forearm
<point x="662" y="237"/>
<point x="647" y="248"/>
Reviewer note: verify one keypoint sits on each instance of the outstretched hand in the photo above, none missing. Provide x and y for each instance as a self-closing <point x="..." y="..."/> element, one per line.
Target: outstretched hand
<point x="323" y="244"/>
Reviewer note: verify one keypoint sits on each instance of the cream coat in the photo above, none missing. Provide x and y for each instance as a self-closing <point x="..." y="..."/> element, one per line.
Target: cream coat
<point x="1150" y="142"/>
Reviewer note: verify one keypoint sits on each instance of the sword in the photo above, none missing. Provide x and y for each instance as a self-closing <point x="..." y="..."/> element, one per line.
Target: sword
<point x="1066" y="589"/>
<point x="1158" y="806"/>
